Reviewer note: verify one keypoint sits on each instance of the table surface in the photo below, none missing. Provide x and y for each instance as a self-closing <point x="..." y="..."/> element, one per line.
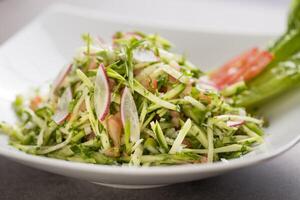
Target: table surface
<point x="275" y="179"/>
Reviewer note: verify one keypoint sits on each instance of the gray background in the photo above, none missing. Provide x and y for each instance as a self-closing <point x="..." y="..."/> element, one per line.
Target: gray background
<point x="276" y="179"/>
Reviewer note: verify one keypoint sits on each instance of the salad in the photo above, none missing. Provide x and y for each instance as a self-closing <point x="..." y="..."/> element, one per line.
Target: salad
<point x="134" y="102"/>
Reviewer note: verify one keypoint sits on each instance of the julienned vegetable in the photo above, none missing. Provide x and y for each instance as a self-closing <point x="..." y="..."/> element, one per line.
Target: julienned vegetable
<point x="132" y="103"/>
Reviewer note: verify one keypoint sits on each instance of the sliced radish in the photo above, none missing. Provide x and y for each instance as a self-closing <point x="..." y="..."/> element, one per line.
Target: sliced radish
<point x="60" y="116"/>
<point x="61" y="77"/>
<point x="62" y="111"/>
<point x="100" y="41"/>
<point x="143" y="55"/>
<point x="206" y="84"/>
<point x="129" y="114"/>
<point x="101" y="93"/>
<point x="235" y="123"/>
<point x="135" y="35"/>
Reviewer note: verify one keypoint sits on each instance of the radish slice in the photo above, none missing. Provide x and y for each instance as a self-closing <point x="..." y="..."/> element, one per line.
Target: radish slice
<point x="129" y="114"/>
<point x="206" y="84"/>
<point x="129" y="35"/>
<point x="143" y="55"/>
<point x="62" y="111"/>
<point x="101" y="93"/>
<point x="235" y="123"/>
<point x="61" y="77"/>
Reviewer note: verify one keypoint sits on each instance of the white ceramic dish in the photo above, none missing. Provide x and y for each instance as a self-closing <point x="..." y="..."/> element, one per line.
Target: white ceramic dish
<point x="35" y="55"/>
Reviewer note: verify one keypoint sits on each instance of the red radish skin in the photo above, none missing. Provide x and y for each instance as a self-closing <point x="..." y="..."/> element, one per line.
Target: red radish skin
<point x="61" y="77"/>
<point x="102" y="89"/>
<point x="60" y="116"/>
<point x="132" y="34"/>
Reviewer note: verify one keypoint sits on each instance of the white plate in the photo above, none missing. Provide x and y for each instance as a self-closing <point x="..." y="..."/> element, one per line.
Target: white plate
<point x="35" y="55"/>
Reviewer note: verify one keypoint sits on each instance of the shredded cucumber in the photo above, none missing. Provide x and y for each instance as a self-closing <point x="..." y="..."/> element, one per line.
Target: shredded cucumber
<point x="144" y="85"/>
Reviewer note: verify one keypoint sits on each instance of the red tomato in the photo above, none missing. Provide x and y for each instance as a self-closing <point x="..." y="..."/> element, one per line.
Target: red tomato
<point x="244" y="67"/>
<point x="237" y="61"/>
<point x="264" y="59"/>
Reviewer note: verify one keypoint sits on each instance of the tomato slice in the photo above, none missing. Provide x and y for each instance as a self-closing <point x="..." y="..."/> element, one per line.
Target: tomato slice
<point x="241" y="69"/>
<point x="264" y="59"/>
<point x="237" y="61"/>
<point x="244" y="67"/>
